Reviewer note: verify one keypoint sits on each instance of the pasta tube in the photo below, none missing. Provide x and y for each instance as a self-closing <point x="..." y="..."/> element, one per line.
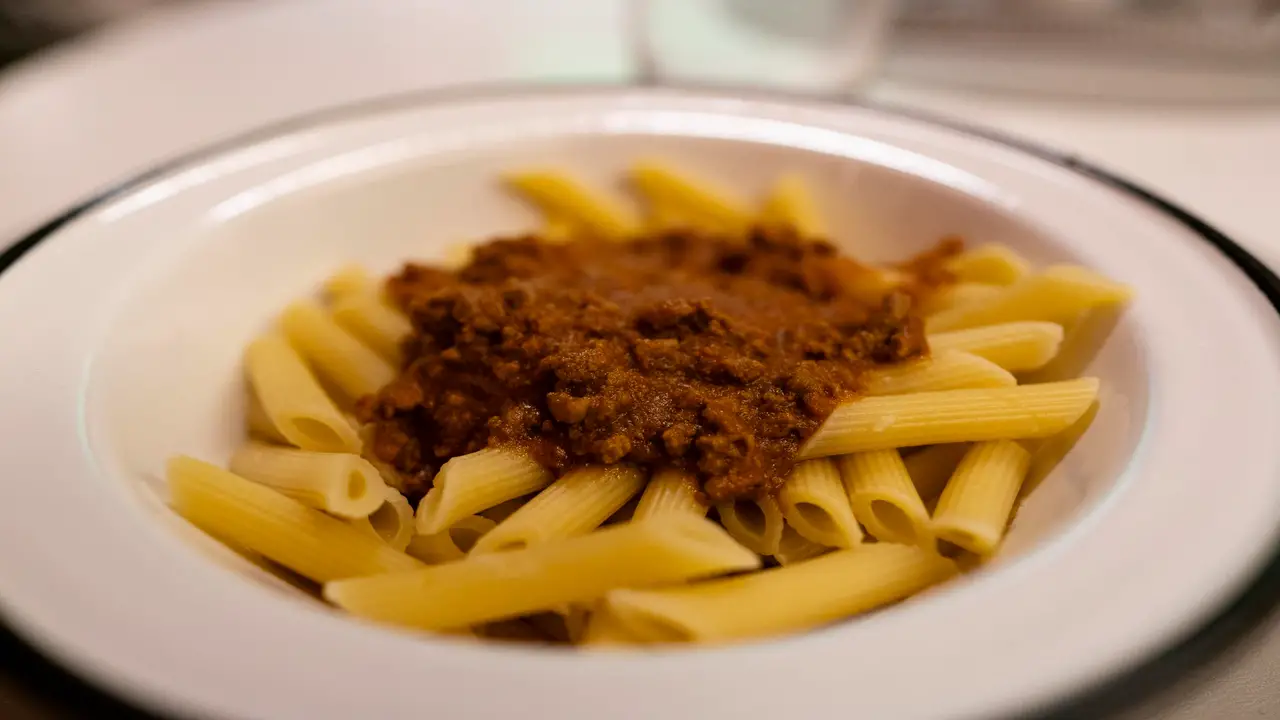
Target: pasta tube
<point x="558" y="196"/>
<point x="575" y="504"/>
<point x="695" y="201"/>
<point x="879" y="423"/>
<point x="373" y="322"/>
<point x="946" y="370"/>
<point x="391" y="522"/>
<point x="884" y="498"/>
<point x="335" y="354"/>
<point x="974" y="508"/>
<point x="293" y="400"/>
<point x="1058" y="294"/>
<point x="814" y="503"/>
<point x="756" y="523"/>
<point x="791" y="203"/>
<point x="995" y="264"/>
<point x="670" y="492"/>
<point x="339" y="483"/>
<point x="469" y="484"/>
<point x="256" y="517"/>
<point x="542" y="577"/>
<point x="796" y="597"/>
<point x="1014" y="346"/>
<point x="452" y="544"/>
<point x="793" y="547"/>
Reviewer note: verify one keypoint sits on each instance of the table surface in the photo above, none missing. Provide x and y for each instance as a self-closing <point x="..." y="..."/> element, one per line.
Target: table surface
<point x="76" y="120"/>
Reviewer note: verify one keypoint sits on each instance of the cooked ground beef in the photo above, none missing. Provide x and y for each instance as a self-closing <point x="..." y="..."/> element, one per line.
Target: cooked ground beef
<point x="721" y="355"/>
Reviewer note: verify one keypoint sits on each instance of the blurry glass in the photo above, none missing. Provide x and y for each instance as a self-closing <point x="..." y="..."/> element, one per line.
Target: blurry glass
<point x="807" y="45"/>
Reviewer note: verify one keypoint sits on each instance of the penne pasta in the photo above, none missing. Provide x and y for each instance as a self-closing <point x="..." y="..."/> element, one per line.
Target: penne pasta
<point x="791" y="203"/>
<point x="341" y="484"/>
<point x="994" y="264"/>
<point x="794" y="547"/>
<point x="452" y="544"/>
<point x="373" y="322"/>
<point x="814" y="503"/>
<point x="335" y="354"/>
<point x="391" y="522"/>
<point x="574" y="505"/>
<point x="804" y="595"/>
<point x="974" y="508"/>
<point x="557" y="573"/>
<point x="755" y="522"/>
<point x="350" y="279"/>
<point x="469" y="484"/>
<point x="293" y="400"/>
<point x="258" y="423"/>
<point x="946" y="370"/>
<point x="1015" y="346"/>
<point x="670" y="492"/>
<point x="707" y="209"/>
<point x="884" y="497"/>
<point x="603" y="631"/>
<point x="566" y="201"/>
<point x="958" y="295"/>
<point x="930" y="468"/>
<point x="1058" y="294"/>
<point x="880" y="423"/>
<point x="256" y="517"/>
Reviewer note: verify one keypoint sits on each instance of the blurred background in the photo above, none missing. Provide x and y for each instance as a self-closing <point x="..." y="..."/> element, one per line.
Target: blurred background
<point x="1181" y="96"/>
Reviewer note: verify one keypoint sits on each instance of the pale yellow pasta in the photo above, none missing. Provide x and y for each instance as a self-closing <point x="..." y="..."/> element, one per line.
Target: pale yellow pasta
<point x="994" y="264"/>
<point x="575" y="504"/>
<point x="958" y="295"/>
<point x="391" y="522"/>
<point x="974" y="508"/>
<point x="1058" y="294"/>
<point x="256" y="517"/>
<point x="791" y="203"/>
<point x="794" y="547"/>
<point x="293" y="400"/>
<point x="754" y="522"/>
<point x="814" y="503"/>
<point x="1015" y="346"/>
<point x="541" y="577"/>
<point x="370" y="319"/>
<point x="349" y="279"/>
<point x="884" y="498"/>
<point x="503" y="510"/>
<point x="930" y="468"/>
<point x="800" y="596"/>
<point x="341" y="484"/>
<point x="336" y="354"/>
<point x="258" y="423"/>
<point x="670" y="492"/>
<point x="565" y="200"/>
<point x="453" y="543"/>
<point x="695" y="202"/>
<point x="604" y="631"/>
<point x="470" y="483"/>
<point x="946" y="370"/>
<point x="557" y="230"/>
<point x="880" y="423"/>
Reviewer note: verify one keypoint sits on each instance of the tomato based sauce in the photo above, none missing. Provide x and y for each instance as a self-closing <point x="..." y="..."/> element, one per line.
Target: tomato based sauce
<point x="719" y="355"/>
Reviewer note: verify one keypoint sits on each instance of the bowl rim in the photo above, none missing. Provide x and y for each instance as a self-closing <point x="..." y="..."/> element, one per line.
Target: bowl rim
<point x="43" y="667"/>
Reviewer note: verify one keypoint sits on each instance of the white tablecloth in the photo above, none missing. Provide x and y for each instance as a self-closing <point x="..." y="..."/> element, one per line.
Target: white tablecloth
<point x="81" y="118"/>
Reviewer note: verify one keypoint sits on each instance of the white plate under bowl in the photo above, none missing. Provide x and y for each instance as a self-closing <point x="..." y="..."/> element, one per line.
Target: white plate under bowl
<point x="123" y="326"/>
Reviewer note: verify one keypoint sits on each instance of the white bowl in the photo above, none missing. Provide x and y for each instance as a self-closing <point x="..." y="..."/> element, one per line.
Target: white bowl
<point x="124" y="324"/>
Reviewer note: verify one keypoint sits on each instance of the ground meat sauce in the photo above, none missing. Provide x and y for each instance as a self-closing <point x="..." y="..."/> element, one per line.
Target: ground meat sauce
<point x="720" y="355"/>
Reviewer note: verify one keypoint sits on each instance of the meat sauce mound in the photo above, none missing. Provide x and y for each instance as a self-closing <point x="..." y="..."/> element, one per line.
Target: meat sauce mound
<point x="717" y="354"/>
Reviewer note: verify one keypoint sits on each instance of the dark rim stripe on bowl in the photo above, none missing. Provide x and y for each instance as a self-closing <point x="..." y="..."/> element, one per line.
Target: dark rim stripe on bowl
<point x="65" y="693"/>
